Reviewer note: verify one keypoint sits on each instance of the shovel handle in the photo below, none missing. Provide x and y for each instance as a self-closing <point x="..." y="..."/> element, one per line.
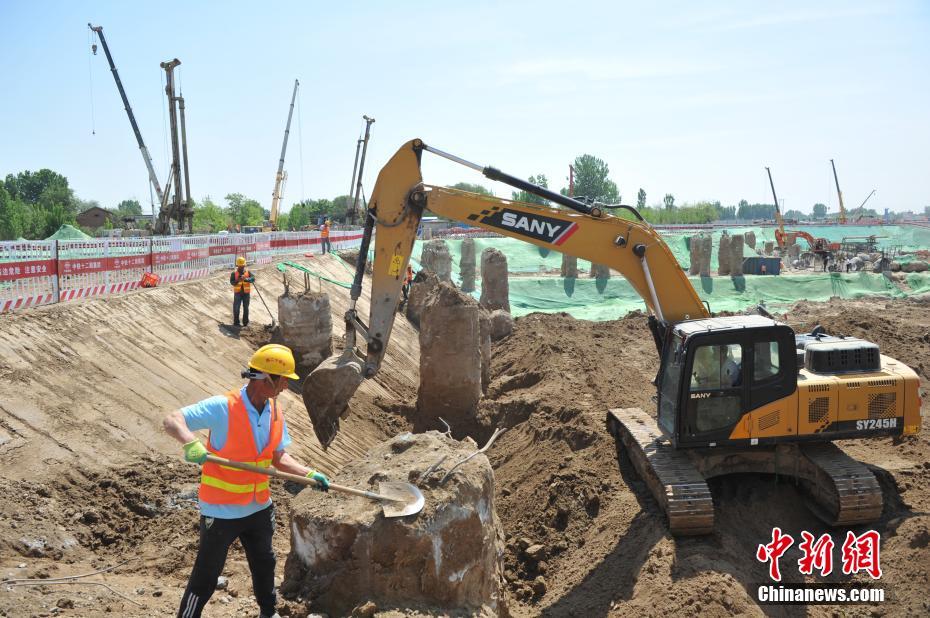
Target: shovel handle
<point x="303" y="480"/>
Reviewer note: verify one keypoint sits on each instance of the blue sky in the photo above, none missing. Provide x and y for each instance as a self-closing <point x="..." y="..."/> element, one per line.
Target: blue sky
<point x="693" y="99"/>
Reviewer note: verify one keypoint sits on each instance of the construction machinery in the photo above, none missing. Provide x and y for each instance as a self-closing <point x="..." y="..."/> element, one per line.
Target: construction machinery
<point x="146" y="157"/>
<point x="272" y="223"/>
<point x="821" y="247"/>
<point x="177" y="211"/>
<point x="862" y="206"/>
<point x="839" y="194"/>
<point x="780" y="230"/>
<point x="741" y="393"/>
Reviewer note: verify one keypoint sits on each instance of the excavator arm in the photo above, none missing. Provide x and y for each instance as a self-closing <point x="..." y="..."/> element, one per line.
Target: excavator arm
<point x="631" y="247"/>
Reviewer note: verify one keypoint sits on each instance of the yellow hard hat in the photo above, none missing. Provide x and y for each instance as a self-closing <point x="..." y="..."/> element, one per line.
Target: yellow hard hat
<point x="274" y="359"/>
<point x="240" y="261"/>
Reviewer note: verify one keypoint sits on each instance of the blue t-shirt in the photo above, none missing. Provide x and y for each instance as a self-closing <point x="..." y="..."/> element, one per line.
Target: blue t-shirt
<point x="213" y="414"/>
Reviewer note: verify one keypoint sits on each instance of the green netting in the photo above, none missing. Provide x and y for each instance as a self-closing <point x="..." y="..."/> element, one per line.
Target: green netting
<point x="919" y="283"/>
<point x="606" y="300"/>
<point x="523" y="257"/>
<point x="68" y="232"/>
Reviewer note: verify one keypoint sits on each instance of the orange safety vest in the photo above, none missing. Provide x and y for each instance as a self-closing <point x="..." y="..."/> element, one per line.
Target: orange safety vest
<point x="224" y="485"/>
<point x="324" y="231"/>
<point x="241" y="286"/>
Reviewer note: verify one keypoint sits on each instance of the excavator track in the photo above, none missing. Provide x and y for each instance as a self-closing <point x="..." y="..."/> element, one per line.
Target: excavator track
<point x="843" y="491"/>
<point x="671" y="476"/>
<point x="839" y="490"/>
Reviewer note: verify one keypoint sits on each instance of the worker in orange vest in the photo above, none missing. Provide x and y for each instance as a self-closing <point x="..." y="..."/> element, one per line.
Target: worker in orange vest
<point x="245" y="425"/>
<point x="241" y="280"/>
<point x="324" y="238"/>
<point x="408" y="279"/>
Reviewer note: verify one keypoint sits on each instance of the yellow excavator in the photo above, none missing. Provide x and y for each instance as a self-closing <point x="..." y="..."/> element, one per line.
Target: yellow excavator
<point x="735" y="394"/>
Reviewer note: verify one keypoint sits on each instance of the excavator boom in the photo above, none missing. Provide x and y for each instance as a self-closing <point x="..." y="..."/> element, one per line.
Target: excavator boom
<point x="631" y="247"/>
<point x="731" y="396"/>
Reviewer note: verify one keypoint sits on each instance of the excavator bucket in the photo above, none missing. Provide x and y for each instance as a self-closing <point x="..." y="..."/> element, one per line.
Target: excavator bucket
<point x="327" y="391"/>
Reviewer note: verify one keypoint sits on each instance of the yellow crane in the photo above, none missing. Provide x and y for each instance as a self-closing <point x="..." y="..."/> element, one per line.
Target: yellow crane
<point x="839" y="194"/>
<point x="281" y="175"/>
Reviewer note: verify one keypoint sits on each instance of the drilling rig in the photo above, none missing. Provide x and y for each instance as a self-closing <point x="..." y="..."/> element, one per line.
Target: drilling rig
<point x="178" y="211"/>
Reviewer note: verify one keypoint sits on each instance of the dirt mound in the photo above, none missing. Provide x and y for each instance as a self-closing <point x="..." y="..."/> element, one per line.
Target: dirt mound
<point x="579" y="518"/>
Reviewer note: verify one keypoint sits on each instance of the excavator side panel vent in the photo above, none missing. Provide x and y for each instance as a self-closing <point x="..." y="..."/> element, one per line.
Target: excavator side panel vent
<point x="853" y="384"/>
<point x="880" y="383"/>
<point x="769" y="420"/>
<point x="818" y="409"/>
<point x="818" y="388"/>
<point x="882" y="405"/>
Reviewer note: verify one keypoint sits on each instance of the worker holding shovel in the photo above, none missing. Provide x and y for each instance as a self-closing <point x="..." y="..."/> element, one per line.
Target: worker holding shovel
<point x="245" y="425"/>
<point x="241" y="281"/>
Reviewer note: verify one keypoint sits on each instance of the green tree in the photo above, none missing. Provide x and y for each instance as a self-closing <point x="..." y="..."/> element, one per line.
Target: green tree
<point x="592" y="182"/>
<point x="283" y="222"/>
<point x="539" y="180"/>
<point x="49" y="200"/>
<point x="14" y="216"/>
<point x="128" y="208"/>
<point x="298" y="216"/>
<point x="820" y="211"/>
<point x="244" y="211"/>
<point x="669" y="201"/>
<point x="471" y="188"/>
<point x="208" y="217"/>
<point x="641" y="199"/>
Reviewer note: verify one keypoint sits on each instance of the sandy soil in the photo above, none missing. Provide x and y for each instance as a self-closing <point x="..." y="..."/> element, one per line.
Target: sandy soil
<point x="91" y="481"/>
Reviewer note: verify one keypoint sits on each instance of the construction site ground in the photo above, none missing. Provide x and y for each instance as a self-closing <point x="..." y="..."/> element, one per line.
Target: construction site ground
<point x="91" y="481"/>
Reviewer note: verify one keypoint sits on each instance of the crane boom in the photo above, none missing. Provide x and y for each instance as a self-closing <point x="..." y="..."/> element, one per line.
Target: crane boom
<point x="279" y="177"/>
<point x="839" y="194"/>
<point x="98" y="30"/>
<point x="780" y="236"/>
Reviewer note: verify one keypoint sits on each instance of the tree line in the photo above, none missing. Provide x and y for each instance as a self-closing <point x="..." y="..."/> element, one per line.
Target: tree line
<point x="33" y="205"/>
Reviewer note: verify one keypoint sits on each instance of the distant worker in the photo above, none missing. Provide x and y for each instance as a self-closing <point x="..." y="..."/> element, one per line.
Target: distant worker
<point x="244" y="425"/>
<point x="324" y="238"/>
<point x="241" y="280"/>
<point x="763" y="269"/>
<point x="408" y="279"/>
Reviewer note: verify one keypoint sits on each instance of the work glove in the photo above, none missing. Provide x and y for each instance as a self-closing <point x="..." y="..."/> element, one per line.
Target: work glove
<point x="322" y="483"/>
<point x="195" y="452"/>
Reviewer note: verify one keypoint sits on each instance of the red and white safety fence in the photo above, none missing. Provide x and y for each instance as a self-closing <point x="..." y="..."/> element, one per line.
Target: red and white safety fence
<point x="48" y="271"/>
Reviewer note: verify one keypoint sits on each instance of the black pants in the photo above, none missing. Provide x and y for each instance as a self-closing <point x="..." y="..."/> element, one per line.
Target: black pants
<point x="325" y="246"/>
<point x="216" y="535"/>
<point x="241" y="298"/>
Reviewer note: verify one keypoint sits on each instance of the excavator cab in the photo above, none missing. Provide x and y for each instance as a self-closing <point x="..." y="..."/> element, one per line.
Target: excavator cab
<point x="715" y="371"/>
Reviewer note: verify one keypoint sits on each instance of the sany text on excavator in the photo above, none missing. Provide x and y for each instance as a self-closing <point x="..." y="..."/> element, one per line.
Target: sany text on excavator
<point x="735" y="393"/>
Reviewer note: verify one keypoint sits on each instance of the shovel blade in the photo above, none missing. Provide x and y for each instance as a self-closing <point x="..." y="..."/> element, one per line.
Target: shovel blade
<point x="405" y="498"/>
<point x="327" y="391"/>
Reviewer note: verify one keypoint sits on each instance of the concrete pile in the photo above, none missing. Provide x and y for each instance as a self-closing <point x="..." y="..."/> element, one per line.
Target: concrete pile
<point x="723" y="255"/>
<point x="736" y="255"/>
<point x="569" y="266"/>
<point x="769" y="247"/>
<point x="501" y="324"/>
<point x="599" y="271"/>
<point x="348" y="559"/>
<point x="307" y="328"/>
<point x="423" y="283"/>
<point x="451" y="360"/>
<point x="794" y="251"/>
<point x="437" y="259"/>
<point x="750" y="238"/>
<point x="495" y="288"/>
<point x="467" y="265"/>
<point x="701" y="247"/>
<point x="917" y="266"/>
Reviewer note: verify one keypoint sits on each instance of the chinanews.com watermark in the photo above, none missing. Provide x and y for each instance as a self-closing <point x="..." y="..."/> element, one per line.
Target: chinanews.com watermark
<point x="858" y="554"/>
